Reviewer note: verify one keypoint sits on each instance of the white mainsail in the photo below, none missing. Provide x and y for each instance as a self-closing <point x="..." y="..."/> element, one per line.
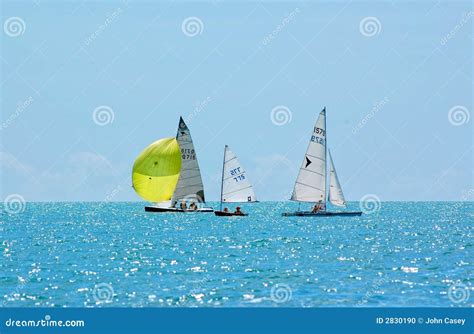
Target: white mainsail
<point x="310" y="185"/>
<point x="336" y="196"/>
<point x="189" y="185"/>
<point x="236" y="187"/>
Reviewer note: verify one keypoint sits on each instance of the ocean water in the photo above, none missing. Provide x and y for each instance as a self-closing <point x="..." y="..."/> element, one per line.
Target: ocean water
<point x="115" y="254"/>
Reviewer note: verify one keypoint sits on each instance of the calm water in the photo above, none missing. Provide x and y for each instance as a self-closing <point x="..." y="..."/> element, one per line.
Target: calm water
<point x="406" y="254"/>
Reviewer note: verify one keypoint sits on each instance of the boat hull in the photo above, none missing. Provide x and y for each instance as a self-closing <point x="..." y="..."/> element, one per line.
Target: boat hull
<point x="229" y="214"/>
<point x="176" y="210"/>
<point x="321" y="214"/>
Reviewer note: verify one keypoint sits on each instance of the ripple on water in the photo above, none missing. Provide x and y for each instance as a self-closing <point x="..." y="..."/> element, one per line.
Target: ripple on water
<point x="407" y="254"/>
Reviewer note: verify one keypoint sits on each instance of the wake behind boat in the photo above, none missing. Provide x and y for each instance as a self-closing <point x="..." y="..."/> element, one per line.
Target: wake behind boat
<point x="235" y="186"/>
<point x="311" y="183"/>
<point x="167" y="173"/>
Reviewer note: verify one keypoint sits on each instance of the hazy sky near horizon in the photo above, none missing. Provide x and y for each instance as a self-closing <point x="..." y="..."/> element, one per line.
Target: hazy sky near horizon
<point x="396" y="78"/>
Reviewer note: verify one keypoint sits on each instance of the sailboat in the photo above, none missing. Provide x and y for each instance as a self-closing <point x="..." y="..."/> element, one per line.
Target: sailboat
<point x="235" y="186"/>
<point x="311" y="183"/>
<point x="171" y="174"/>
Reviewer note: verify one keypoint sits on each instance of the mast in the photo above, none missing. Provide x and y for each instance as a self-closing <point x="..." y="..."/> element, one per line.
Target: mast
<point x="222" y="179"/>
<point x="325" y="158"/>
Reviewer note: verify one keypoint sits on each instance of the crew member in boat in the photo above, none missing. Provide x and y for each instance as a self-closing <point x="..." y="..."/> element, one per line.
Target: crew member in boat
<point x="317" y="207"/>
<point x="193" y="206"/>
<point x="226" y="209"/>
<point x="238" y="212"/>
<point x="183" y="205"/>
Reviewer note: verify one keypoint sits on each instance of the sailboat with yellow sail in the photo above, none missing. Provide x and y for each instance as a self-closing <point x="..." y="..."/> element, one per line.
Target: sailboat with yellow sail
<point x="167" y="173"/>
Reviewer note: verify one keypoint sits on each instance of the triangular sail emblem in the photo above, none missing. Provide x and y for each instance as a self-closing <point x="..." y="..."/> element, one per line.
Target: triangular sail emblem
<point x="308" y="162"/>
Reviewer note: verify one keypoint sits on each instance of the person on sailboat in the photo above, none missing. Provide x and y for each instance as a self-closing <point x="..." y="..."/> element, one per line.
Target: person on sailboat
<point x="183" y="205"/>
<point x="193" y="206"/>
<point x="226" y="209"/>
<point x="317" y="207"/>
<point x="238" y="212"/>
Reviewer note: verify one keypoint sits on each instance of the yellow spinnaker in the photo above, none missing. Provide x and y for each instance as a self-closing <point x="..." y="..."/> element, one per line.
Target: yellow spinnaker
<point x="156" y="170"/>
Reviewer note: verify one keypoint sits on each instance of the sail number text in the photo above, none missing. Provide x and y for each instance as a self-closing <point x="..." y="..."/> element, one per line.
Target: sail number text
<point x="318" y="139"/>
<point x="188" y="154"/>
<point x="236" y="173"/>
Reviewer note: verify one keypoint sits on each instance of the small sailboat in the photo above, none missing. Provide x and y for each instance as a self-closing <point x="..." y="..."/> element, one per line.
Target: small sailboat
<point x="235" y="186"/>
<point x="311" y="183"/>
<point x="168" y="173"/>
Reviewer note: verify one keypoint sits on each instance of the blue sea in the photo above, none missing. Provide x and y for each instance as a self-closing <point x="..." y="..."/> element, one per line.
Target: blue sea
<point x="117" y="255"/>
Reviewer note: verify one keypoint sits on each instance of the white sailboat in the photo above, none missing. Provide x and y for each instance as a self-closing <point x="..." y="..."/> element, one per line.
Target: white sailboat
<point x="235" y="186"/>
<point x="189" y="188"/>
<point x="311" y="183"/>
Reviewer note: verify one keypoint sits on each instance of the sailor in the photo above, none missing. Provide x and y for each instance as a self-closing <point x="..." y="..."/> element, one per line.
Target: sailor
<point x="183" y="205"/>
<point x="238" y="212"/>
<point x="226" y="210"/>
<point x="317" y="207"/>
<point x="193" y="206"/>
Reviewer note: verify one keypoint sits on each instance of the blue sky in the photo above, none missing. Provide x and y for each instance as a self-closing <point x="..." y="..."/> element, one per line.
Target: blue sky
<point x="389" y="74"/>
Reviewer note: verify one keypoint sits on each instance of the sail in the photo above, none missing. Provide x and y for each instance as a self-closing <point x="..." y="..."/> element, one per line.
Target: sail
<point x="310" y="185"/>
<point x="336" y="196"/>
<point x="189" y="185"/>
<point x="236" y="186"/>
<point x="156" y="170"/>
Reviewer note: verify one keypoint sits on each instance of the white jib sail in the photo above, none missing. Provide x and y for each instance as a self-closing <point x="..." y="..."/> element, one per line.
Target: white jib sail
<point x="236" y="186"/>
<point x="336" y="196"/>
<point x="310" y="185"/>
<point x="189" y="186"/>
